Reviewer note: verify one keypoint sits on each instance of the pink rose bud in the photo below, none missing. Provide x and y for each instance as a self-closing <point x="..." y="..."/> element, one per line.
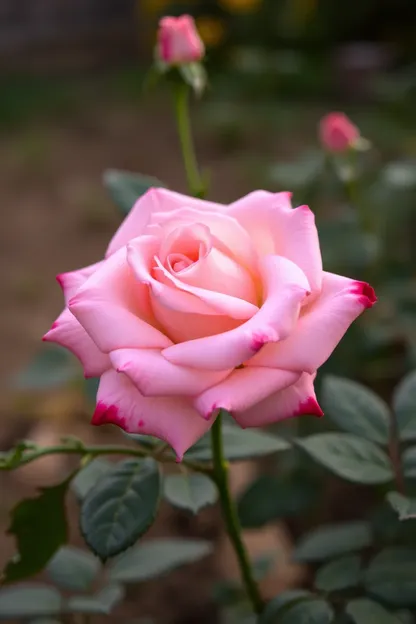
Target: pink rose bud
<point x="337" y="132"/>
<point x="179" y="41"/>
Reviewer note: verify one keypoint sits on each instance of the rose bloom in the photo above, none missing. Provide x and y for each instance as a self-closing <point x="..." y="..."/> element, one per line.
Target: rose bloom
<point x="199" y="306"/>
<point x="337" y="132"/>
<point x="179" y="41"/>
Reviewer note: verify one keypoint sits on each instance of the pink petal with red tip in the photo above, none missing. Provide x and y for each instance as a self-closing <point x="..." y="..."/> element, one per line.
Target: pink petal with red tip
<point x="172" y="419"/>
<point x="67" y="332"/>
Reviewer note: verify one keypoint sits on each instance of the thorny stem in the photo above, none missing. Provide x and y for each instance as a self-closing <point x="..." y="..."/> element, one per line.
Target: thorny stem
<point x="231" y="518"/>
<point x="219" y="474"/>
<point x="90" y="452"/>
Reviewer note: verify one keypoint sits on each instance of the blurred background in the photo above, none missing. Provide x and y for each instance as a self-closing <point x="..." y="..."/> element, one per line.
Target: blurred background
<point x="72" y="104"/>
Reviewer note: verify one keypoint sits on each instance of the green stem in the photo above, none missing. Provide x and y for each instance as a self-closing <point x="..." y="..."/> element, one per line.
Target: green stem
<point x="195" y="182"/>
<point x="96" y="451"/>
<point x="230" y="516"/>
<point x="220" y="468"/>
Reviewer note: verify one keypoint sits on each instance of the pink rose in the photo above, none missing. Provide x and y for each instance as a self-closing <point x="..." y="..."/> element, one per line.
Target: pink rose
<point x="337" y="132"/>
<point x="199" y="306"/>
<point x="179" y="41"/>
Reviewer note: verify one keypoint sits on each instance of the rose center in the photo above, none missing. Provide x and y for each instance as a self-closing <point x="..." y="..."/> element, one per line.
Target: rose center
<point x="184" y="247"/>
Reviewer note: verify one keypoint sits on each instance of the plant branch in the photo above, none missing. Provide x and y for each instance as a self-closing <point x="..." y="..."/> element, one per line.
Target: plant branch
<point x="95" y="451"/>
<point x="231" y="518"/>
<point x="195" y="182"/>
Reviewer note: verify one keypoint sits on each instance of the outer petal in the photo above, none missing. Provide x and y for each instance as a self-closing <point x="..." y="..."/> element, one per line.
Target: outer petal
<point x="155" y="200"/>
<point x="320" y="327"/>
<point x="73" y="280"/>
<point x="223" y="227"/>
<point x="286" y="287"/>
<point x="114" y="308"/>
<point x="172" y="419"/>
<point x="67" y="332"/>
<point x="244" y="388"/>
<point x="153" y="375"/>
<point x="296" y="400"/>
<point x="275" y="227"/>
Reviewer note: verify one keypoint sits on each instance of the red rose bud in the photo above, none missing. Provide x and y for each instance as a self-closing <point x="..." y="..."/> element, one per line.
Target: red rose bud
<point x="179" y="41"/>
<point x="338" y="133"/>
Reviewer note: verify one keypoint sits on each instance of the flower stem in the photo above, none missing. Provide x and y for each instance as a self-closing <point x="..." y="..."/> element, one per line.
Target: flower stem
<point x="195" y="182"/>
<point x="91" y="452"/>
<point x="230" y="516"/>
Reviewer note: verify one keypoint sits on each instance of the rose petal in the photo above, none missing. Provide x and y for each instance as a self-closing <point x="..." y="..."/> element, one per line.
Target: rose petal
<point x="183" y="326"/>
<point x="297" y="399"/>
<point x="320" y="326"/>
<point x="155" y="376"/>
<point x="73" y="280"/>
<point x="140" y="256"/>
<point x="114" y="308"/>
<point x="67" y="332"/>
<point x="276" y="228"/>
<point x="223" y="227"/>
<point x="156" y="199"/>
<point x="225" y="304"/>
<point x="242" y="389"/>
<point x="172" y="419"/>
<point x="286" y="287"/>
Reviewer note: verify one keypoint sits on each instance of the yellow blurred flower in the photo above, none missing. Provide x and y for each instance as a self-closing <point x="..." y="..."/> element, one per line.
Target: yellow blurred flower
<point x="154" y="6"/>
<point x="211" y="30"/>
<point x="240" y="6"/>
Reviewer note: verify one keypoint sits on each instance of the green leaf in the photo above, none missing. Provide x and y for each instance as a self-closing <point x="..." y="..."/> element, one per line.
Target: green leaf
<point x="268" y="498"/>
<point x="404" y="617"/>
<point x="240" y="444"/>
<point x="156" y="557"/>
<point x="401" y="174"/>
<point x="308" y="612"/>
<point x="365" y="611"/>
<point x="297" y="174"/>
<point x="29" y="600"/>
<point x="190" y="491"/>
<point x="345" y="245"/>
<point x="274" y="608"/>
<point x="89" y="476"/>
<point x="332" y="540"/>
<point x="37" y="539"/>
<point x="102" y="602"/>
<point x="73" y="569"/>
<point x="51" y="367"/>
<point x="405" y="507"/>
<point x="195" y="76"/>
<point x="355" y="408"/>
<point x="409" y="462"/>
<point x="349" y="457"/>
<point x="339" y="574"/>
<point x="147" y="441"/>
<point x="404" y="406"/>
<point x="262" y="564"/>
<point x="126" y="187"/>
<point x="391" y="576"/>
<point x="91" y="388"/>
<point x="121" y="507"/>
